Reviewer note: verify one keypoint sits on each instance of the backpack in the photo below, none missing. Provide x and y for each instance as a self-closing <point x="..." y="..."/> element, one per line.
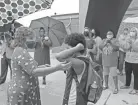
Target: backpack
<point x="94" y="86"/>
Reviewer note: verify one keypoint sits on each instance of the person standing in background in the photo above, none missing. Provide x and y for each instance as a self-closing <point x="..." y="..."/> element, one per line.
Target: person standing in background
<point x="110" y="48"/>
<point x="42" y="50"/>
<point x="131" y="60"/>
<point x="122" y="53"/>
<point x="98" y="40"/>
<point x="6" y="53"/>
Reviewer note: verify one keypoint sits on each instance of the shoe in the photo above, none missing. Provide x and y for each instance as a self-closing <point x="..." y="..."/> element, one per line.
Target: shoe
<point x="124" y="87"/>
<point x="133" y="92"/>
<point x="115" y="91"/>
<point x="105" y="88"/>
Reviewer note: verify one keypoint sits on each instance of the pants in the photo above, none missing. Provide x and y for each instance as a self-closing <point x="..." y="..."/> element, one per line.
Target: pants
<point x="121" y="60"/>
<point x="5" y="62"/>
<point x="129" y="68"/>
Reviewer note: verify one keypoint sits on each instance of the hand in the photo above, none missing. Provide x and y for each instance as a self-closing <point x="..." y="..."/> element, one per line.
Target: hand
<point x="64" y="66"/>
<point x="90" y="103"/>
<point x="46" y="38"/>
<point x="80" y="47"/>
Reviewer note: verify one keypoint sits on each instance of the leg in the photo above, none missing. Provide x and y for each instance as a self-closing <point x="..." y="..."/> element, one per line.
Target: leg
<point x="44" y="80"/>
<point x="113" y="71"/>
<point x="9" y="64"/>
<point x="121" y="61"/>
<point x="106" y="76"/>
<point x="4" y="70"/>
<point x="128" y="71"/>
<point x="135" y="72"/>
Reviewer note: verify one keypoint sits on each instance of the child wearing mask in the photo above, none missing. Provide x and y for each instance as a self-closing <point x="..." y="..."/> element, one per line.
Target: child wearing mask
<point x="110" y="48"/>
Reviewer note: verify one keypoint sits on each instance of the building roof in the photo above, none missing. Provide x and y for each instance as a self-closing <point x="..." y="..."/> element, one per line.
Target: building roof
<point x="132" y="10"/>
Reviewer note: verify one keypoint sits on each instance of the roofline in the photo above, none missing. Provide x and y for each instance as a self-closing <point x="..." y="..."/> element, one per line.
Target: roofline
<point x="65" y="14"/>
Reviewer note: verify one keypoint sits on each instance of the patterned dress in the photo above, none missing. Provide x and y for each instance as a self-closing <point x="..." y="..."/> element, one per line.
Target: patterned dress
<point x="23" y="89"/>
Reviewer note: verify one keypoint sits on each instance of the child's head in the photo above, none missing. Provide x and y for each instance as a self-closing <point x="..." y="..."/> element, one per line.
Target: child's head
<point x="74" y="39"/>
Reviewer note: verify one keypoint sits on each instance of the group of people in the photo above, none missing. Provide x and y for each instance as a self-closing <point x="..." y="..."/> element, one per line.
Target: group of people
<point x="113" y="53"/>
<point x="23" y="88"/>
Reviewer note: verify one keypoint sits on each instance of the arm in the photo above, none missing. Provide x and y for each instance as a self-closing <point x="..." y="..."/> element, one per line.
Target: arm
<point x="30" y="66"/>
<point x="102" y="45"/>
<point x="115" y="44"/>
<point x="62" y="56"/>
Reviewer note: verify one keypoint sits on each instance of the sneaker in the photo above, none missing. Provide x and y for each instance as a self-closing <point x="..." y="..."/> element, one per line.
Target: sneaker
<point x="115" y="91"/>
<point x="124" y="87"/>
<point x="105" y="88"/>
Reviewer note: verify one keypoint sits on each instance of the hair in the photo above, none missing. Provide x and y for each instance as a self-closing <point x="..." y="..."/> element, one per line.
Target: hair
<point x="97" y="32"/>
<point x="21" y="34"/>
<point x="112" y="32"/>
<point x="42" y="28"/>
<point x="125" y="29"/>
<point x="136" y="29"/>
<point x="74" y="39"/>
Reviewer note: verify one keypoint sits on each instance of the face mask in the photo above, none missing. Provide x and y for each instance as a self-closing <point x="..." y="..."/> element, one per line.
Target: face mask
<point x="30" y="44"/>
<point x="109" y="36"/>
<point x="86" y="34"/>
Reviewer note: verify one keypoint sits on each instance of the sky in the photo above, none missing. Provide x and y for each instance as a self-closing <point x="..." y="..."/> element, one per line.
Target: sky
<point x="58" y="6"/>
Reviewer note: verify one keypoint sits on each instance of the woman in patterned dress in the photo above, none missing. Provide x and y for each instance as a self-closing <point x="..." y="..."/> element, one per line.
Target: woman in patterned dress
<point x="23" y="89"/>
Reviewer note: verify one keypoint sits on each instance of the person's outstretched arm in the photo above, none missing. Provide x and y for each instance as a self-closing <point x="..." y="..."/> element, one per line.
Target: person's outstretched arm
<point x="30" y="66"/>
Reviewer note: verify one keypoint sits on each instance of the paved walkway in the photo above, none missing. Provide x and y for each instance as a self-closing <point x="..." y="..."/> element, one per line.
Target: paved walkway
<point x="52" y="94"/>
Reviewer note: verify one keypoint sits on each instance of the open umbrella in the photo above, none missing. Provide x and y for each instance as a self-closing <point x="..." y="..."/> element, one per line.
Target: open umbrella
<point x="15" y="9"/>
<point x="55" y="29"/>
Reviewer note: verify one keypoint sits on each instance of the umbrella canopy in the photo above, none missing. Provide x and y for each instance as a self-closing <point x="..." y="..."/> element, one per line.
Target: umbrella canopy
<point x="6" y="27"/>
<point x="106" y="14"/>
<point x="54" y="29"/>
<point x="15" y="9"/>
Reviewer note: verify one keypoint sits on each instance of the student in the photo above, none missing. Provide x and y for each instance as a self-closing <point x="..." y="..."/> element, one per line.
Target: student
<point x="77" y="76"/>
<point x="109" y="49"/>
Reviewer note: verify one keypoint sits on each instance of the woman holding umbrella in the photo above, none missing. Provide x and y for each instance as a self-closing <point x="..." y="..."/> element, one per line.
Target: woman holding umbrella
<point x="42" y="49"/>
<point x="23" y="89"/>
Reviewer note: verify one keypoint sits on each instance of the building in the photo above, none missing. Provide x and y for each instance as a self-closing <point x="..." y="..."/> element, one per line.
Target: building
<point x="72" y="21"/>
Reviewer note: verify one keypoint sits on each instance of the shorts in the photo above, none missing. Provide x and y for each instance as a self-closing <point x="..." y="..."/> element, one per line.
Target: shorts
<point x="107" y="70"/>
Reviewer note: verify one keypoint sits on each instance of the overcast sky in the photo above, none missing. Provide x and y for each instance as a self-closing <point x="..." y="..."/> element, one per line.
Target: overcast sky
<point x="58" y="6"/>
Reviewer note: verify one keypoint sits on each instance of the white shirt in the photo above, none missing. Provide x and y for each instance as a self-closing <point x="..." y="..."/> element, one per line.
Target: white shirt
<point x="72" y="96"/>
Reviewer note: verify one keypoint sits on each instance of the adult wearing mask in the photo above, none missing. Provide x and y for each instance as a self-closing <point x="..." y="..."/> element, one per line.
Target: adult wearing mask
<point x="122" y="53"/>
<point x="6" y="52"/>
<point x="23" y="89"/>
<point x="110" y="48"/>
<point x="131" y="60"/>
<point x="90" y="43"/>
<point x="98" y="40"/>
<point x="42" y="50"/>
